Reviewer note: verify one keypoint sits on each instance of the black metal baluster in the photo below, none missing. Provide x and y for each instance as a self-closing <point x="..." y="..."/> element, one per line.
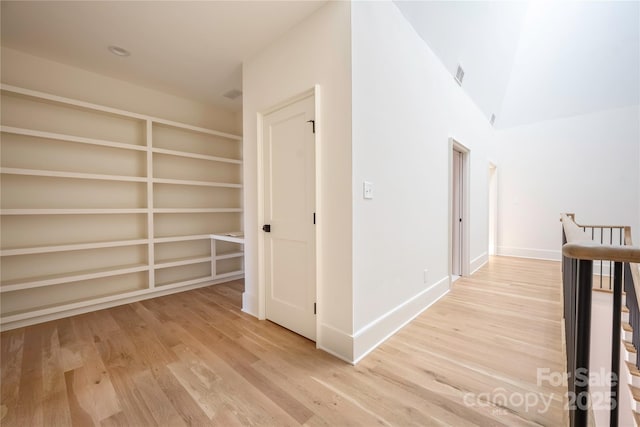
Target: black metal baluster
<point x="583" y="342"/>
<point x="610" y="263"/>
<point x="615" y="343"/>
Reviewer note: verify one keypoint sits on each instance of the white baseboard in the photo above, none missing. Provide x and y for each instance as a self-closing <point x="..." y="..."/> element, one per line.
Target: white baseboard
<point x="551" y="255"/>
<point x="250" y="304"/>
<point x="376" y="332"/>
<point x="545" y="255"/>
<point x="478" y="262"/>
<point x="335" y="342"/>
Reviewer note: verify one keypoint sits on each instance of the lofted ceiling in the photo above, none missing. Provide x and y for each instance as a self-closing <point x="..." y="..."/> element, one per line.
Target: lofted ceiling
<point x="528" y="62"/>
<point x="193" y="49"/>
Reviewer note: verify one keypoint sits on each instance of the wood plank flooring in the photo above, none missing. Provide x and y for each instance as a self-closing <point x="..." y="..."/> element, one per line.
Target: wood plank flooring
<point x="195" y="359"/>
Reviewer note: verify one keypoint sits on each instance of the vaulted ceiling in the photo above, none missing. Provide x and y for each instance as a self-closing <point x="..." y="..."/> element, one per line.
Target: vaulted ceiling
<point x="527" y="62"/>
<point x="524" y="61"/>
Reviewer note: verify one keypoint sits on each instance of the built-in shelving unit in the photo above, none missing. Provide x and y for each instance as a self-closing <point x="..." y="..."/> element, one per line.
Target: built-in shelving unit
<point x="102" y="206"/>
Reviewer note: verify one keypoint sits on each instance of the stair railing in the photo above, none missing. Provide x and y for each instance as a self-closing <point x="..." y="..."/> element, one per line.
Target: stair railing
<point x="579" y="251"/>
<point x="613" y="235"/>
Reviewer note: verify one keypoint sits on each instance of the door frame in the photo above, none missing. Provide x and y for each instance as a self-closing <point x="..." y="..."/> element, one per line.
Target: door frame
<point x="493" y="209"/>
<point x="466" y="163"/>
<point x="262" y="300"/>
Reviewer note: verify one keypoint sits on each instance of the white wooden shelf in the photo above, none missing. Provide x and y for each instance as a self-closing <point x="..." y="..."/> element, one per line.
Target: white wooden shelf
<point x="237" y="238"/>
<point x="171" y="239"/>
<point x="195" y="129"/>
<point x="23" y="317"/>
<point x="112" y="111"/>
<point x="81" y="306"/>
<point x="181" y="238"/>
<point x="182" y="261"/>
<point x="196" y="156"/>
<point x="157" y="151"/>
<point x="229" y="255"/>
<point x="185" y="282"/>
<point x="16" y="285"/>
<point x="72" y="247"/>
<point x="228" y="238"/>
<point x="229" y="274"/>
<point x="70" y="138"/>
<point x="68" y="101"/>
<point x="195" y="210"/>
<point x="73" y="211"/>
<point x="238" y="274"/>
<point x="195" y="183"/>
<point x="73" y="175"/>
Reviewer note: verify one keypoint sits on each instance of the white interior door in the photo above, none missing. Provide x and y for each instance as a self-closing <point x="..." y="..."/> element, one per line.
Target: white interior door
<point x="289" y="212"/>
<point x="457" y="201"/>
<point x="493" y="209"/>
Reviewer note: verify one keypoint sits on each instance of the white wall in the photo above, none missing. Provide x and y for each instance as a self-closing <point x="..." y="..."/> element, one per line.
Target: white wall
<point x="405" y="107"/>
<point x="317" y="51"/>
<point x="584" y="164"/>
<point x="32" y="72"/>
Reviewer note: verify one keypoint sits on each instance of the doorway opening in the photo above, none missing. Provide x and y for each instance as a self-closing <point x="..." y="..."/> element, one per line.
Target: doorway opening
<point x="459" y="210"/>
<point x="493" y="209"/>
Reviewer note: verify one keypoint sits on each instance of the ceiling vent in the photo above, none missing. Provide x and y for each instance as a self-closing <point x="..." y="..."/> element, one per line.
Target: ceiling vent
<point x="492" y="120"/>
<point x="233" y="94"/>
<point x="119" y="51"/>
<point x="459" y="75"/>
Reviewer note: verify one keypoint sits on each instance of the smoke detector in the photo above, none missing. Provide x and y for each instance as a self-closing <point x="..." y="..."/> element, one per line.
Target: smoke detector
<point x="233" y="94"/>
<point x="459" y="75"/>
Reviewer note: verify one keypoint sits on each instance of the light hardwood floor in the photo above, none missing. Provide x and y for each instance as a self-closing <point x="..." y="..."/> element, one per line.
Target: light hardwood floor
<point x="195" y="359"/>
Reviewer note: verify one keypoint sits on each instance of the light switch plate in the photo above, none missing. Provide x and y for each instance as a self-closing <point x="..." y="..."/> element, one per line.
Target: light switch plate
<point x="367" y="190"/>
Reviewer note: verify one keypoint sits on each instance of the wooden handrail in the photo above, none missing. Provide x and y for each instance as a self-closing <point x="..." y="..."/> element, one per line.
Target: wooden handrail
<point x="581" y="246"/>
<point x="572" y="217"/>
<point x="600" y="226"/>
<point x="598" y="252"/>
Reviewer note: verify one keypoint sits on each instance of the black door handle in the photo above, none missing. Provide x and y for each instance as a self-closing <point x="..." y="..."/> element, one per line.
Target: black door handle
<point x="266" y="228"/>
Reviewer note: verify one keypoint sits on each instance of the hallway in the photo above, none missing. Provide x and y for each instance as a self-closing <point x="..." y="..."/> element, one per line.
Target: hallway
<point x="486" y="340"/>
<point x="194" y="358"/>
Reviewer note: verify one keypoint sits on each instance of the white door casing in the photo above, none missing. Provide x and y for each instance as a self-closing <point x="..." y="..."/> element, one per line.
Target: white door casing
<point x="459" y="208"/>
<point x="457" y="200"/>
<point x="289" y="209"/>
<point x="493" y="209"/>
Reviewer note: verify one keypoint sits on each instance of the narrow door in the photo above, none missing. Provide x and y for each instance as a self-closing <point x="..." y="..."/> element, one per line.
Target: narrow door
<point x="493" y="209"/>
<point x="457" y="200"/>
<point x="289" y="213"/>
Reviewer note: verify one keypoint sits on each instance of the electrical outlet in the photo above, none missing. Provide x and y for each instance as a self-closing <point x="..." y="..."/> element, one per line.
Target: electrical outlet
<point x="426" y="276"/>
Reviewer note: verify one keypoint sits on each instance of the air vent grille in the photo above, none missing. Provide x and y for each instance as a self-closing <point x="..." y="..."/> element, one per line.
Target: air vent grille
<point x="459" y="75"/>
<point x="233" y="94"/>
